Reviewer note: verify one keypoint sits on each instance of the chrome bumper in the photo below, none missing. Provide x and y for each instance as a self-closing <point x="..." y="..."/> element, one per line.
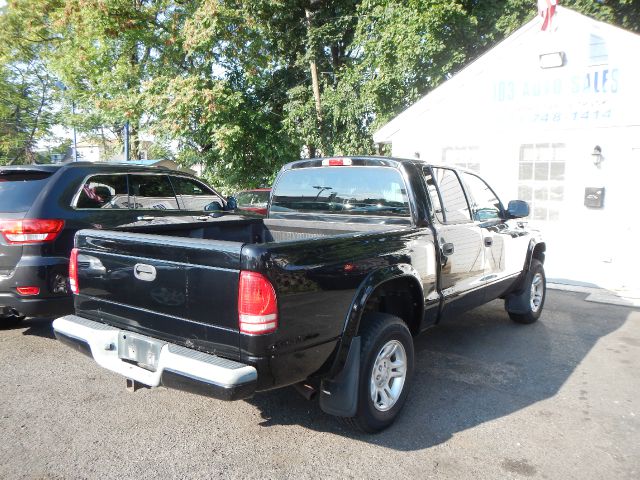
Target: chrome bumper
<point x="162" y="363"/>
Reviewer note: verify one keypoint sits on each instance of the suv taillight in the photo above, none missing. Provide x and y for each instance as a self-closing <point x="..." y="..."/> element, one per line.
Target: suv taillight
<point x="73" y="272"/>
<point x="257" y="304"/>
<point x="30" y="230"/>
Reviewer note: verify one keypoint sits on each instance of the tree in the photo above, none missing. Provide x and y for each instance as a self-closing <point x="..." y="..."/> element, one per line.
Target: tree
<point x="230" y="82"/>
<point x="26" y="103"/>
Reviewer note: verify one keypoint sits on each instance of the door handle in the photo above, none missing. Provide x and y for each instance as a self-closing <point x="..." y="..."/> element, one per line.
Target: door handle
<point x="447" y="248"/>
<point x="146" y="217"/>
<point x="488" y="241"/>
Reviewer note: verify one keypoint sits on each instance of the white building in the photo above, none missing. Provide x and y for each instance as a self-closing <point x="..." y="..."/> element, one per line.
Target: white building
<point x="530" y="116"/>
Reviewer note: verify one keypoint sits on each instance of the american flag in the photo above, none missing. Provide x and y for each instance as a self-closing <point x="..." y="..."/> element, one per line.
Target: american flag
<point x="91" y="193"/>
<point x="546" y="9"/>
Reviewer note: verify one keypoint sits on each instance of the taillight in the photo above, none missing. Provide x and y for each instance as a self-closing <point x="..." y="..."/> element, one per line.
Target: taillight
<point x="257" y="304"/>
<point x="73" y="272"/>
<point x="28" y="291"/>
<point x="30" y="230"/>
<point x="336" y="162"/>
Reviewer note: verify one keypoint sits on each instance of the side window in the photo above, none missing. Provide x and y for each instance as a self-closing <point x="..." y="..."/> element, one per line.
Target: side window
<point x="151" y="192"/>
<point x="104" y="191"/>
<point x="433" y="194"/>
<point x="456" y="209"/>
<point x="195" y="196"/>
<point x="485" y="205"/>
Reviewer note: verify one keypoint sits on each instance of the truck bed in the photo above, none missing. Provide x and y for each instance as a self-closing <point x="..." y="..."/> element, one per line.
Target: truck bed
<point x="192" y="298"/>
<point x="250" y="231"/>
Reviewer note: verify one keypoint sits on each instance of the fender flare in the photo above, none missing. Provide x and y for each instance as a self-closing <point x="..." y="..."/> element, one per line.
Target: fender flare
<point x="339" y="389"/>
<point x="362" y="295"/>
<point x="533" y="243"/>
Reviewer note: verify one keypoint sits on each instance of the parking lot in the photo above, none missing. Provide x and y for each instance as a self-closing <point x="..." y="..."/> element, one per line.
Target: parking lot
<point x="490" y="399"/>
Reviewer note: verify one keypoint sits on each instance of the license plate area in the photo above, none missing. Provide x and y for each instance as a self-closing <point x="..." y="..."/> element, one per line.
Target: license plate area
<point x="138" y="349"/>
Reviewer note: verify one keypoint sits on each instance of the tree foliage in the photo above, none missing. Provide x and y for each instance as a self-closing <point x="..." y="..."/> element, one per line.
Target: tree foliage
<point x="228" y="83"/>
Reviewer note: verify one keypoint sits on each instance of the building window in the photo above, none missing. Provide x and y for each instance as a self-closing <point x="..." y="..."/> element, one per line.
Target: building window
<point x="465" y="157"/>
<point x="598" y="54"/>
<point x="541" y="179"/>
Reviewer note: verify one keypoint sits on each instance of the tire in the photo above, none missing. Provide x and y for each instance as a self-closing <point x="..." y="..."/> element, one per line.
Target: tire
<point x="10" y="320"/>
<point x="526" y="307"/>
<point x="386" y="345"/>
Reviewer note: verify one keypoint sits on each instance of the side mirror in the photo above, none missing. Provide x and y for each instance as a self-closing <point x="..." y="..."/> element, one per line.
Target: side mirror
<point x="518" y="209"/>
<point x="232" y="203"/>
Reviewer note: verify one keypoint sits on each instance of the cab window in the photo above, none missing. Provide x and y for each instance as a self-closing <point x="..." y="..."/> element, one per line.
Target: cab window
<point x="485" y="204"/>
<point x="454" y="207"/>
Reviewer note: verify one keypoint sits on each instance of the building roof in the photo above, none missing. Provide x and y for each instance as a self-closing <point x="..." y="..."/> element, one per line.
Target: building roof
<point x="532" y="29"/>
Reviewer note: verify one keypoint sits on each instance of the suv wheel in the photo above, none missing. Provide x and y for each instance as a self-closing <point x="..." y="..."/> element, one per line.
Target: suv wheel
<point x="7" y="321"/>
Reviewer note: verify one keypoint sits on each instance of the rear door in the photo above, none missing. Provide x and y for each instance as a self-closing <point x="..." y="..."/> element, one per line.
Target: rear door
<point x="460" y="242"/>
<point x="103" y="201"/>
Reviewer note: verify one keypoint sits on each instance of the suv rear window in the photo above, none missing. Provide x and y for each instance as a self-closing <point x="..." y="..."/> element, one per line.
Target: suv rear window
<point x="344" y="190"/>
<point x="20" y="188"/>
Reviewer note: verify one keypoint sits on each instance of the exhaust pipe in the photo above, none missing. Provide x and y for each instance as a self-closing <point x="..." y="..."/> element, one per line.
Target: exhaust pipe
<point x="306" y="390"/>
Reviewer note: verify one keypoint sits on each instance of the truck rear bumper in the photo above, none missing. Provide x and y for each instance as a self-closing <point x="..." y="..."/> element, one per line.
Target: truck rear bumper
<point x="153" y="362"/>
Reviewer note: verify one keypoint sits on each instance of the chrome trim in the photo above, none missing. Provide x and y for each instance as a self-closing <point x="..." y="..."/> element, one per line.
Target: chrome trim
<point x="202" y="366"/>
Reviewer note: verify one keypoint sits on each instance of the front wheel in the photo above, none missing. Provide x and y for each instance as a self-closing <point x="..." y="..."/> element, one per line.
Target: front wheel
<point x="386" y="369"/>
<point x="526" y="307"/>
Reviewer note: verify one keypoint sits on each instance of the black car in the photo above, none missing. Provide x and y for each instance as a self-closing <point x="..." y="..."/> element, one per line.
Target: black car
<point x="43" y="206"/>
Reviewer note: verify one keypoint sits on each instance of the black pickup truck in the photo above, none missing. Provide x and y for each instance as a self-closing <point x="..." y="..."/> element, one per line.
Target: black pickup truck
<point x="357" y="256"/>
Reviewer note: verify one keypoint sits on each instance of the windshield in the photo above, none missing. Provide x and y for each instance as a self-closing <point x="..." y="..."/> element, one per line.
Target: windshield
<point x="344" y="190"/>
<point x="19" y="188"/>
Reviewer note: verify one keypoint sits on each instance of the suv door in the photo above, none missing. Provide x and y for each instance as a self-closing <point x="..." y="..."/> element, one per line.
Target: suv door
<point x="195" y="196"/>
<point x="505" y="244"/>
<point x="103" y="202"/>
<point x="460" y="242"/>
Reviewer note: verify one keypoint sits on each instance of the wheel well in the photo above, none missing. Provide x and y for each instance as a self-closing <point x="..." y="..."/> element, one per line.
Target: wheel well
<point x="539" y="252"/>
<point x="401" y="297"/>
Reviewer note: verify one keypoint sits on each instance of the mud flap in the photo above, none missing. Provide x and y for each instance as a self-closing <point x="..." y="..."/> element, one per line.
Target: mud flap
<point x="339" y="395"/>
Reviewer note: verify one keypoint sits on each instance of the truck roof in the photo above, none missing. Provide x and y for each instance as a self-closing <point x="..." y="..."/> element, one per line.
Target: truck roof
<point x="363" y="160"/>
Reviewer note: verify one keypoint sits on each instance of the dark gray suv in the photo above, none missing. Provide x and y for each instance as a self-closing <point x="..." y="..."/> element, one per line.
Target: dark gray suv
<point x="43" y="206"/>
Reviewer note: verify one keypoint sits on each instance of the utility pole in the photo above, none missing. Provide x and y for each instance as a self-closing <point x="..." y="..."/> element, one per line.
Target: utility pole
<point x="314" y="72"/>
<point x="75" y="139"/>
<point x="126" y="141"/>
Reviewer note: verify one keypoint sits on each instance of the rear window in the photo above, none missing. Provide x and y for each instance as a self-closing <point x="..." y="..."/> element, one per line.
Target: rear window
<point x="20" y="188"/>
<point x="344" y="190"/>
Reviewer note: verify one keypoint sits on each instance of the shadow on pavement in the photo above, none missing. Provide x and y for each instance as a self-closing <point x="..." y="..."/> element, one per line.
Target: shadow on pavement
<point x="40" y="327"/>
<point x="472" y="370"/>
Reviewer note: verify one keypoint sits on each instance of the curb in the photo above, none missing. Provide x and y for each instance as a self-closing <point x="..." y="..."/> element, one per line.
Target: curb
<point x="625" y="298"/>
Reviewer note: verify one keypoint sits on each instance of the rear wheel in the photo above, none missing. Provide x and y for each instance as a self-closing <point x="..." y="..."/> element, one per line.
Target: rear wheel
<point x="7" y="321"/>
<point x="386" y="368"/>
<point x="527" y="305"/>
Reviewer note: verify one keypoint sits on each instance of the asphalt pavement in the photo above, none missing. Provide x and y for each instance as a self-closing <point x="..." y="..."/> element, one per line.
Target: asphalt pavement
<point x="559" y="399"/>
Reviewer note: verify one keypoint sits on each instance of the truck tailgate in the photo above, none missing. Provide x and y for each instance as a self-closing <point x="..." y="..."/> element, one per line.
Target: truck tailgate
<point x="182" y="290"/>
